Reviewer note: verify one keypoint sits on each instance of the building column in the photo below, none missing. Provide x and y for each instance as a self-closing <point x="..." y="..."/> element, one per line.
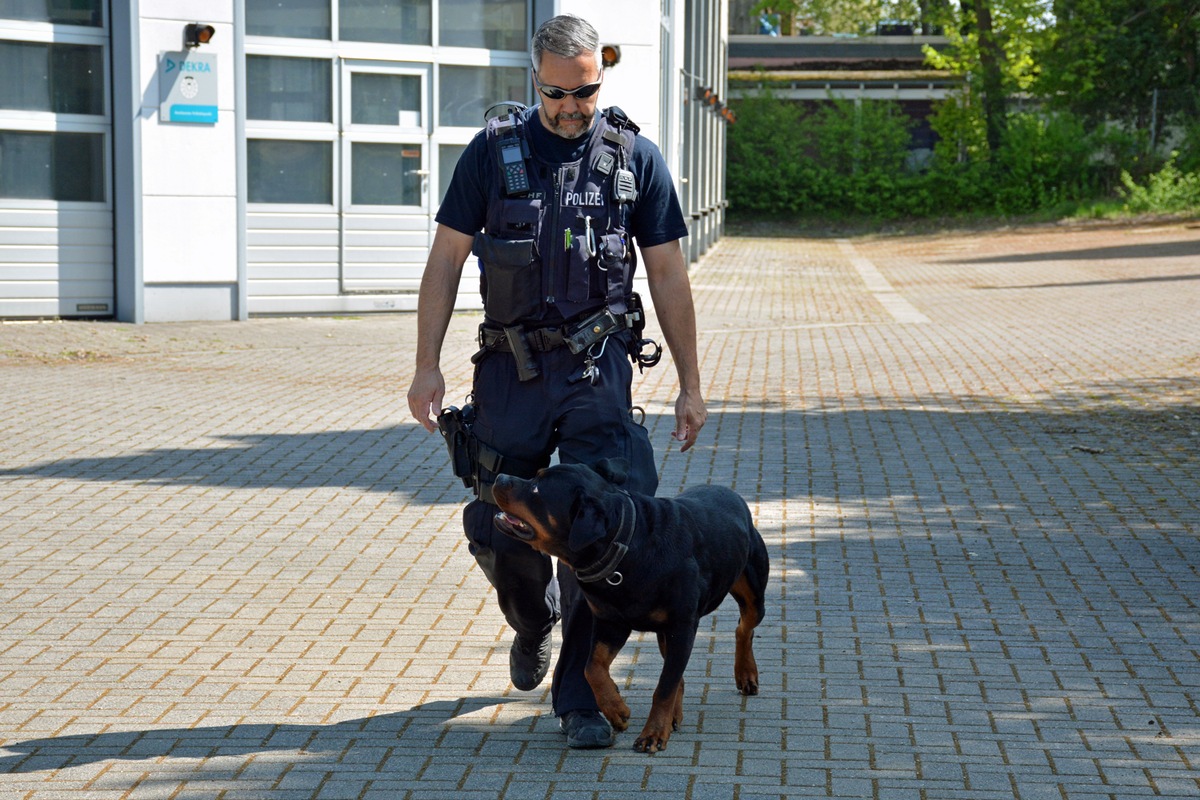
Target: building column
<point x="127" y="162"/>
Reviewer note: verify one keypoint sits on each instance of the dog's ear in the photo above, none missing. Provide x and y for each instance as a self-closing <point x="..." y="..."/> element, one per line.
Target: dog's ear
<point x="613" y="470"/>
<point x="589" y="526"/>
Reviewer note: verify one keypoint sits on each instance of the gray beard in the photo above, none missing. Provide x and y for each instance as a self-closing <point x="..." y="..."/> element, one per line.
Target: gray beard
<point x="553" y="127"/>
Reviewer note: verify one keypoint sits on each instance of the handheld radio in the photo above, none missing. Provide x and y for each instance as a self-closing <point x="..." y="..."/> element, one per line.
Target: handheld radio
<point x="512" y="166"/>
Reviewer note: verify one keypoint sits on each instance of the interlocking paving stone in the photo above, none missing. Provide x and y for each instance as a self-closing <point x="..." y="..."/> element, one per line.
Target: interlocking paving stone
<point x="231" y="566"/>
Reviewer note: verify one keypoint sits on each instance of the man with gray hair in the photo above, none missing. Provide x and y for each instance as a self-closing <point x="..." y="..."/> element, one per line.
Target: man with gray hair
<point x="551" y="200"/>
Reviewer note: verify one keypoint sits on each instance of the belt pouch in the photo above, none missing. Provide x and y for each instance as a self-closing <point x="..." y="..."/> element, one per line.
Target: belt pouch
<point x="614" y="262"/>
<point x="513" y="285"/>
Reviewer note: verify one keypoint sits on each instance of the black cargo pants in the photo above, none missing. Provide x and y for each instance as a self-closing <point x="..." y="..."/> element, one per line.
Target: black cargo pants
<point x="585" y="422"/>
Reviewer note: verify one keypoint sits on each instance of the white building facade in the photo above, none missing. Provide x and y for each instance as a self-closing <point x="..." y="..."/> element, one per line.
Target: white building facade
<point x="293" y="162"/>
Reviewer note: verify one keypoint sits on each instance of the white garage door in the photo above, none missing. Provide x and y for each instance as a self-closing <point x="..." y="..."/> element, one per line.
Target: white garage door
<point x="56" y="246"/>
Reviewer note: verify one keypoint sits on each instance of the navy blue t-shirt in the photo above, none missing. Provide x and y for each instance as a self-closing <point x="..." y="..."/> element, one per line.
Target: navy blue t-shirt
<point x="655" y="218"/>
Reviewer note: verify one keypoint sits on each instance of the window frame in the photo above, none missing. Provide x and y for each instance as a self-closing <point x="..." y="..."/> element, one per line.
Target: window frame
<point x="283" y="135"/>
<point x="339" y="51"/>
<point x="23" y="121"/>
<point x="258" y="122"/>
<point x="287" y="47"/>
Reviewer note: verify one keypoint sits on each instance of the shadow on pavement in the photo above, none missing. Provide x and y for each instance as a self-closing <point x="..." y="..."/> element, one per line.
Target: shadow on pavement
<point x="766" y="452"/>
<point x="369" y="459"/>
<point x="1123" y="252"/>
<point x="1117" y="282"/>
<point x="403" y="746"/>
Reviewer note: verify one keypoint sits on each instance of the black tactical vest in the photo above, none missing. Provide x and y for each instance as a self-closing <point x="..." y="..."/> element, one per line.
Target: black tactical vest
<point x="559" y="250"/>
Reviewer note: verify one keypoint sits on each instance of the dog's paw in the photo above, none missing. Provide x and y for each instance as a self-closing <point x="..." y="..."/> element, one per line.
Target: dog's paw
<point x="746" y="679"/>
<point x="652" y="741"/>
<point x="617" y="714"/>
<point x="659" y="726"/>
<point x="748" y="686"/>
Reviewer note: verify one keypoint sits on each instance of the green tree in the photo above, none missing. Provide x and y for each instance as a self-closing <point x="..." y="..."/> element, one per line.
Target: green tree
<point x="933" y="15"/>
<point x="1028" y="131"/>
<point x="993" y="45"/>
<point x="978" y="14"/>
<point x="1106" y="59"/>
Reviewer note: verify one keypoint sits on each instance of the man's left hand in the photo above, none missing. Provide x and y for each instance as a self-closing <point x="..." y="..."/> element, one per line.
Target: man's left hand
<point x="690" y="416"/>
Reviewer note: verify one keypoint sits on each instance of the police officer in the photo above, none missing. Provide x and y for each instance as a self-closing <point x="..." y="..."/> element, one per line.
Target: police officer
<point x="550" y="200"/>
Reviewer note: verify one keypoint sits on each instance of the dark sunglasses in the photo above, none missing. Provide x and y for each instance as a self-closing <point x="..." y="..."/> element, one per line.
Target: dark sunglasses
<point x="582" y="93"/>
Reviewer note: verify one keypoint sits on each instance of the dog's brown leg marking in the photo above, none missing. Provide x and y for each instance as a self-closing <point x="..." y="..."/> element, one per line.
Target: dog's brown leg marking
<point x="608" y="697"/>
<point x="661" y="722"/>
<point x="745" y="668"/>
<point x="666" y="712"/>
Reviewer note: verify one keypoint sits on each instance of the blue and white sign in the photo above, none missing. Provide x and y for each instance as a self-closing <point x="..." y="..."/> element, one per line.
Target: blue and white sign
<point x="187" y="87"/>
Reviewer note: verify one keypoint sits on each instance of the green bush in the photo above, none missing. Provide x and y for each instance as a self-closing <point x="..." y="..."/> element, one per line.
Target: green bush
<point x="1167" y="191"/>
<point x="769" y="173"/>
<point x="848" y="159"/>
<point x="842" y="159"/>
<point x="1188" y="155"/>
<point x="861" y="138"/>
<point x="962" y="135"/>
<point x="1042" y="163"/>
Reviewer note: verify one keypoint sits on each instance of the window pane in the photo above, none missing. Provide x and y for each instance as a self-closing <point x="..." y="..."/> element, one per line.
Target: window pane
<point x="495" y="24"/>
<point x="52" y="166"/>
<point x="385" y="99"/>
<point x="466" y="92"/>
<point x="448" y="155"/>
<point x="301" y="19"/>
<point x="64" y="12"/>
<point x="61" y="78"/>
<point x="295" y="89"/>
<point x="289" y="172"/>
<point x="385" y="174"/>
<point x="392" y="21"/>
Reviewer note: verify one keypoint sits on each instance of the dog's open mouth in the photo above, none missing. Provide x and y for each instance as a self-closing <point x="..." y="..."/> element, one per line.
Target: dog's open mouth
<point x="513" y="526"/>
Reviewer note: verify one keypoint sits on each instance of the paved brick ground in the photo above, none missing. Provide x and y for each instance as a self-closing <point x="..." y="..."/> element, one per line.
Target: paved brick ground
<point x="231" y="567"/>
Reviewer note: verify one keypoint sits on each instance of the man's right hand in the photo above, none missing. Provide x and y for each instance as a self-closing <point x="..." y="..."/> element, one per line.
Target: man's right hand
<point x="425" y="397"/>
<point x="439" y="285"/>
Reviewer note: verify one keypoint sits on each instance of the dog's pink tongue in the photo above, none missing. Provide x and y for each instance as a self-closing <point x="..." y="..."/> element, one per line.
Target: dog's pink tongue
<point x="512" y="521"/>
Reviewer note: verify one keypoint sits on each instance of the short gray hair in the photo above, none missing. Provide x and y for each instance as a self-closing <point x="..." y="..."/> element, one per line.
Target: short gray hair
<point x="567" y="36"/>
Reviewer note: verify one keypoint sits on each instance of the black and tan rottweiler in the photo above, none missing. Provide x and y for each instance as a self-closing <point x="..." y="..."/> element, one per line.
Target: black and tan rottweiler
<point x="646" y="564"/>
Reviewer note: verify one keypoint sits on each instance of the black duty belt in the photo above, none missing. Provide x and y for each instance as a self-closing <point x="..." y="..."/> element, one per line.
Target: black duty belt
<point x="539" y="339"/>
<point x="578" y="335"/>
<point x="522" y="343"/>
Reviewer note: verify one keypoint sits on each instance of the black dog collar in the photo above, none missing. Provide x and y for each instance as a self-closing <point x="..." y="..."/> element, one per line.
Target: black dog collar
<point x="606" y="568"/>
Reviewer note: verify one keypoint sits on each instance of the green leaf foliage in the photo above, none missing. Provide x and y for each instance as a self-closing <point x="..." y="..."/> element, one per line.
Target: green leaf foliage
<point x="1062" y="103"/>
<point x="1106" y="58"/>
<point x="1166" y="191"/>
<point x="845" y="160"/>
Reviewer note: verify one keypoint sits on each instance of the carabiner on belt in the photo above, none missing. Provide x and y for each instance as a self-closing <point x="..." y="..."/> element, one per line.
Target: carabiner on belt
<point x="589" y="239"/>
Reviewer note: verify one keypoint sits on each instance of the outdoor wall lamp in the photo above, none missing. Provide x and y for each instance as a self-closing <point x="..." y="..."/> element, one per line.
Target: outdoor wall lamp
<point x="197" y="33"/>
<point x="610" y="55"/>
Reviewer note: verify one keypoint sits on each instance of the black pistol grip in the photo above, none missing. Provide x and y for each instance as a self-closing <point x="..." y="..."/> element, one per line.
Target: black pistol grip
<point x="526" y="367"/>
